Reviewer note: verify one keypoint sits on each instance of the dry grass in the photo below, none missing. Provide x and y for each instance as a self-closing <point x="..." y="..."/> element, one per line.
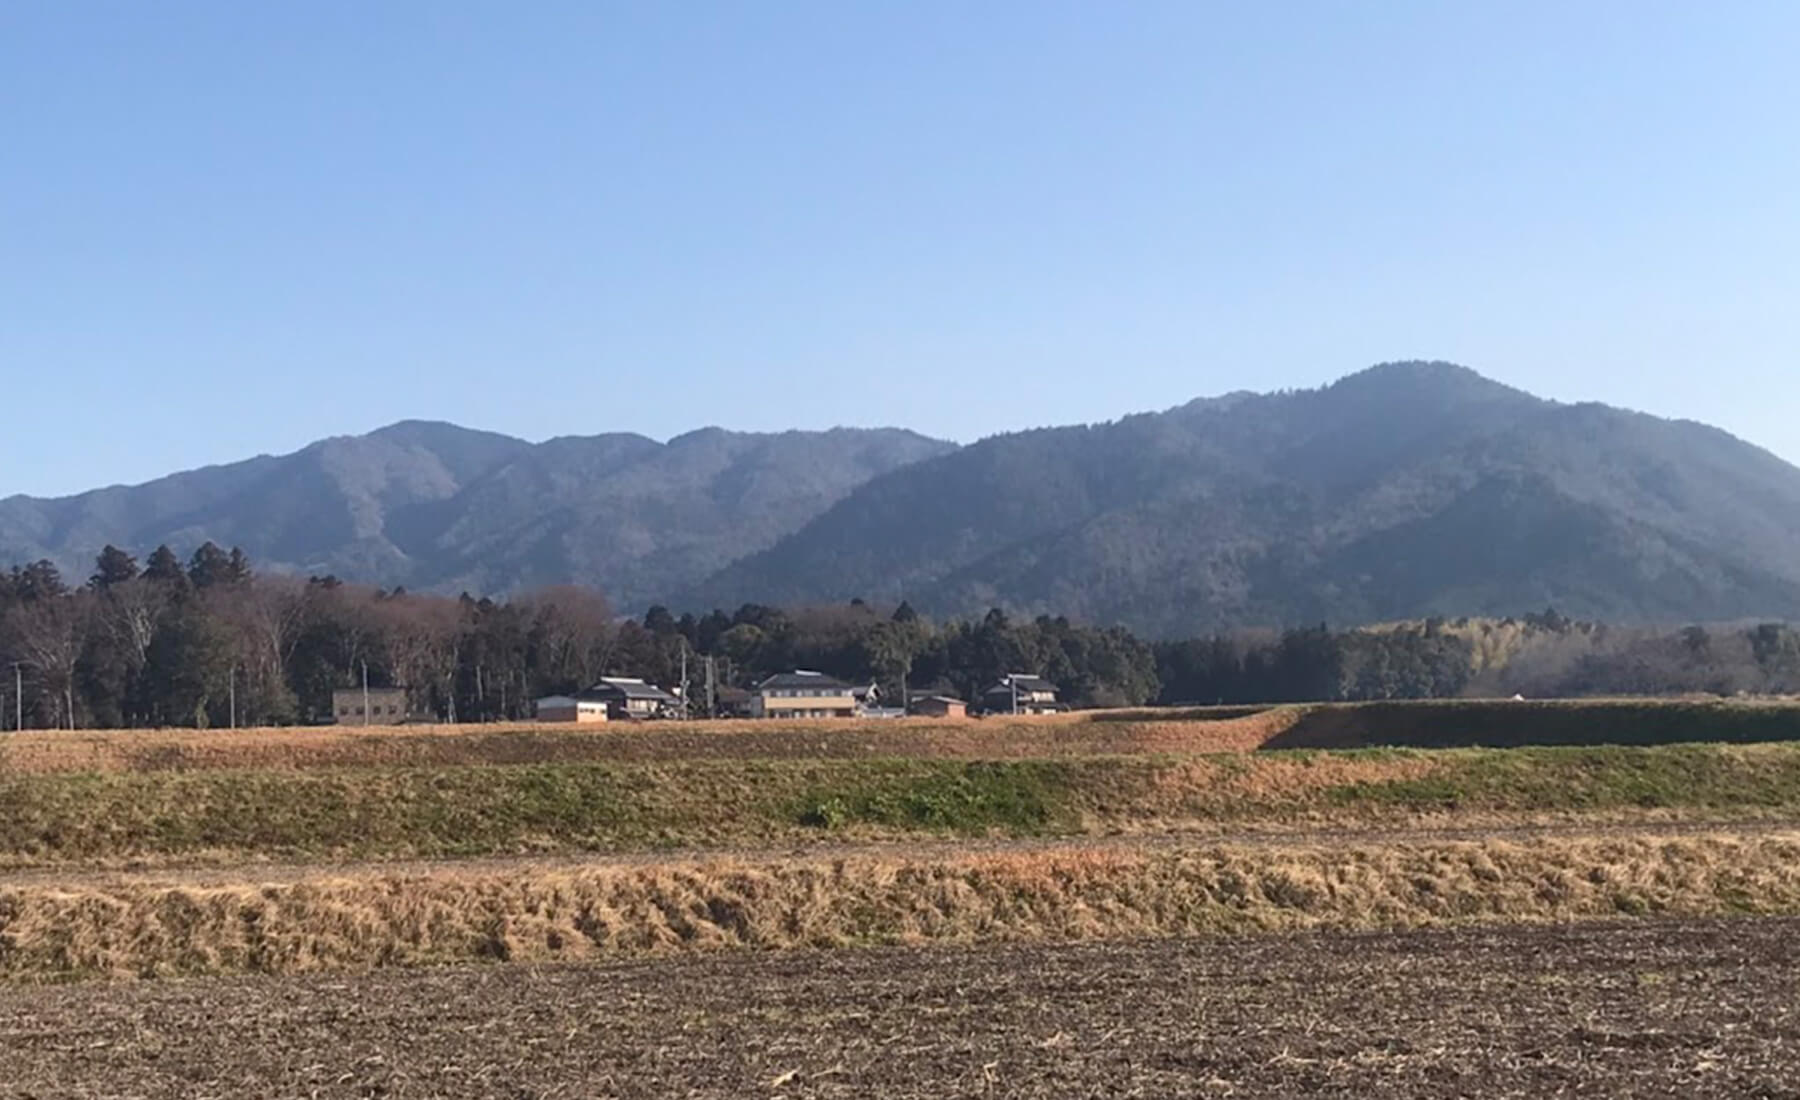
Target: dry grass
<point x="42" y="752"/>
<point x="359" y="921"/>
<point x="163" y="818"/>
<point x="1086" y="733"/>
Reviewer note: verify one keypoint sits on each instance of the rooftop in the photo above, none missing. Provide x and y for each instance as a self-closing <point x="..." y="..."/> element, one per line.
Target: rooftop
<point x="803" y="678"/>
<point x="630" y="688"/>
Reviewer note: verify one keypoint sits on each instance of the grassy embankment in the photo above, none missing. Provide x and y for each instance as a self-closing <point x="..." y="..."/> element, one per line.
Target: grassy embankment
<point x="225" y="816"/>
<point x="234" y="800"/>
<point x="369" y="918"/>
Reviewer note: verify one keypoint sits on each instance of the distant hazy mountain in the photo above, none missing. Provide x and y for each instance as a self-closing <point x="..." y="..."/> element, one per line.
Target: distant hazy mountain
<point x="1407" y="490"/>
<point x="435" y="506"/>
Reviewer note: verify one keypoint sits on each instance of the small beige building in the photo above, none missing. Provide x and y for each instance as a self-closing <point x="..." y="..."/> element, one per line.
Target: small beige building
<point x="570" y="708"/>
<point x="369" y="707"/>
<point x="940" y="706"/>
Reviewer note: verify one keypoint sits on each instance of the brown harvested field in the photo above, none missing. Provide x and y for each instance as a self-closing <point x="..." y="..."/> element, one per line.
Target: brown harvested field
<point x="1652" y="1009"/>
<point x="1443" y="724"/>
<point x="1115" y="903"/>
<point x="355" y="919"/>
<point x="38" y="752"/>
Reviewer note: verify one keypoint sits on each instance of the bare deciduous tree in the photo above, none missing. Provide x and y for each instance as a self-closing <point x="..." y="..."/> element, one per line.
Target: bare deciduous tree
<point x="46" y="638"/>
<point x="574" y="632"/>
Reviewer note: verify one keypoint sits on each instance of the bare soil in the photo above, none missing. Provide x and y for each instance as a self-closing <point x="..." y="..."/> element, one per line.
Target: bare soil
<point x="1632" y="1010"/>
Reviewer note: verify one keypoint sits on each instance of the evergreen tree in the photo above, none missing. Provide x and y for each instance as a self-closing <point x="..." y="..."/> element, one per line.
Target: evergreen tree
<point x="40" y="580"/>
<point x="113" y="566"/>
<point x="658" y="620"/>
<point x="164" y="567"/>
<point x="237" y="567"/>
<point x="187" y="669"/>
<point x="210" y="566"/>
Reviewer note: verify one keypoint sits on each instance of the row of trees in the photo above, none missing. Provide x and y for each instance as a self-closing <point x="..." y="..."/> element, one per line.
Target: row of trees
<point x="206" y="642"/>
<point x="1540" y="656"/>
<point x="209" y="643"/>
<point x="1411" y="662"/>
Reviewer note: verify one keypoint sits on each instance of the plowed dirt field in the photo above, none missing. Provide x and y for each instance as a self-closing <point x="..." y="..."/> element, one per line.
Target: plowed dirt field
<point x="1629" y="1010"/>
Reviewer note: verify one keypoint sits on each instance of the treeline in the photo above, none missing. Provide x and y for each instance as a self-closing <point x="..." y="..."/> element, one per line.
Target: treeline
<point x="1541" y="656"/>
<point x="207" y="642"/>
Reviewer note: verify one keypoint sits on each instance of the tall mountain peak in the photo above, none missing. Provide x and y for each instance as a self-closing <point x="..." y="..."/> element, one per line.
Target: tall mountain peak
<point x="1409" y="489"/>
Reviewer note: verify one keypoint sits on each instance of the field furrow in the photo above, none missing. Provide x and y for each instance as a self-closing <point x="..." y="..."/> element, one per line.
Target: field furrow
<point x="1644" y="1010"/>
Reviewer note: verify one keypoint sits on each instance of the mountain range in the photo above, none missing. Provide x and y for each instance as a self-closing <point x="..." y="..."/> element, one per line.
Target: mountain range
<point x="1406" y="490"/>
<point x="432" y="506"/>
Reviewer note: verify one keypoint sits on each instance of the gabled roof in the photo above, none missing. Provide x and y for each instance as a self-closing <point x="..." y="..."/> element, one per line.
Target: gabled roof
<point x="802" y="678"/>
<point x="566" y="700"/>
<point x="613" y="687"/>
<point x="1023" y="682"/>
<point x="939" y="699"/>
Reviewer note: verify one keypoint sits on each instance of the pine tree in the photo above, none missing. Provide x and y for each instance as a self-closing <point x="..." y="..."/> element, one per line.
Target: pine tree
<point x="237" y="568"/>
<point x="209" y="566"/>
<point x="164" y="567"/>
<point x="113" y="566"/>
<point x="38" y="581"/>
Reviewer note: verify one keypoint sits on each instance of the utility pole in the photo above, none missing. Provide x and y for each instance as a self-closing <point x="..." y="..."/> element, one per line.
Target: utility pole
<point x="18" y="698"/>
<point x="365" y="666"/>
<point x="685" y="710"/>
<point x="234" y="697"/>
<point x="712" y="689"/>
<point x="1014" y="681"/>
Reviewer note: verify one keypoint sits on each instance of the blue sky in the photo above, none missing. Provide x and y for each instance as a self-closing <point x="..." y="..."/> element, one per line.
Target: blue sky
<point x="231" y="228"/>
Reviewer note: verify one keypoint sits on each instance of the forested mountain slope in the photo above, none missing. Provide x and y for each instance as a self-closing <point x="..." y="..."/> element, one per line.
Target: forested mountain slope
<point x="435" y="506"/>
<point x="1405" y="491"/>
<point x="1408" y="490"/>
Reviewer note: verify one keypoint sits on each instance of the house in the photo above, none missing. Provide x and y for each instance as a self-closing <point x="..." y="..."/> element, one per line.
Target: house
<point x="1020" y="693"/>
<point x="803" y="694"/>
<point x="940" y="706"/>
<point x="732" y="702"/>
<point x="868" y="702"/>
<point x="629" y="698"/>
<point x="570" y="708"/>
<point x="369" y="706"/>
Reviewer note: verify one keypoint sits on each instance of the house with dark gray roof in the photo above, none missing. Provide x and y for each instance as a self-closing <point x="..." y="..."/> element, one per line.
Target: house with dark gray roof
<point x="1020" y="693"/>
<point x="804" y="694"/>
<point x="630" y="698"/>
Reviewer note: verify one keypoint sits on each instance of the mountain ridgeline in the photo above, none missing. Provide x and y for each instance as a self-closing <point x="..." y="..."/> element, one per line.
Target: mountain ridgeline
<point x="1408" y="490"/>
<point x="435" y="507"/>
<point x="1405" y="491"/>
